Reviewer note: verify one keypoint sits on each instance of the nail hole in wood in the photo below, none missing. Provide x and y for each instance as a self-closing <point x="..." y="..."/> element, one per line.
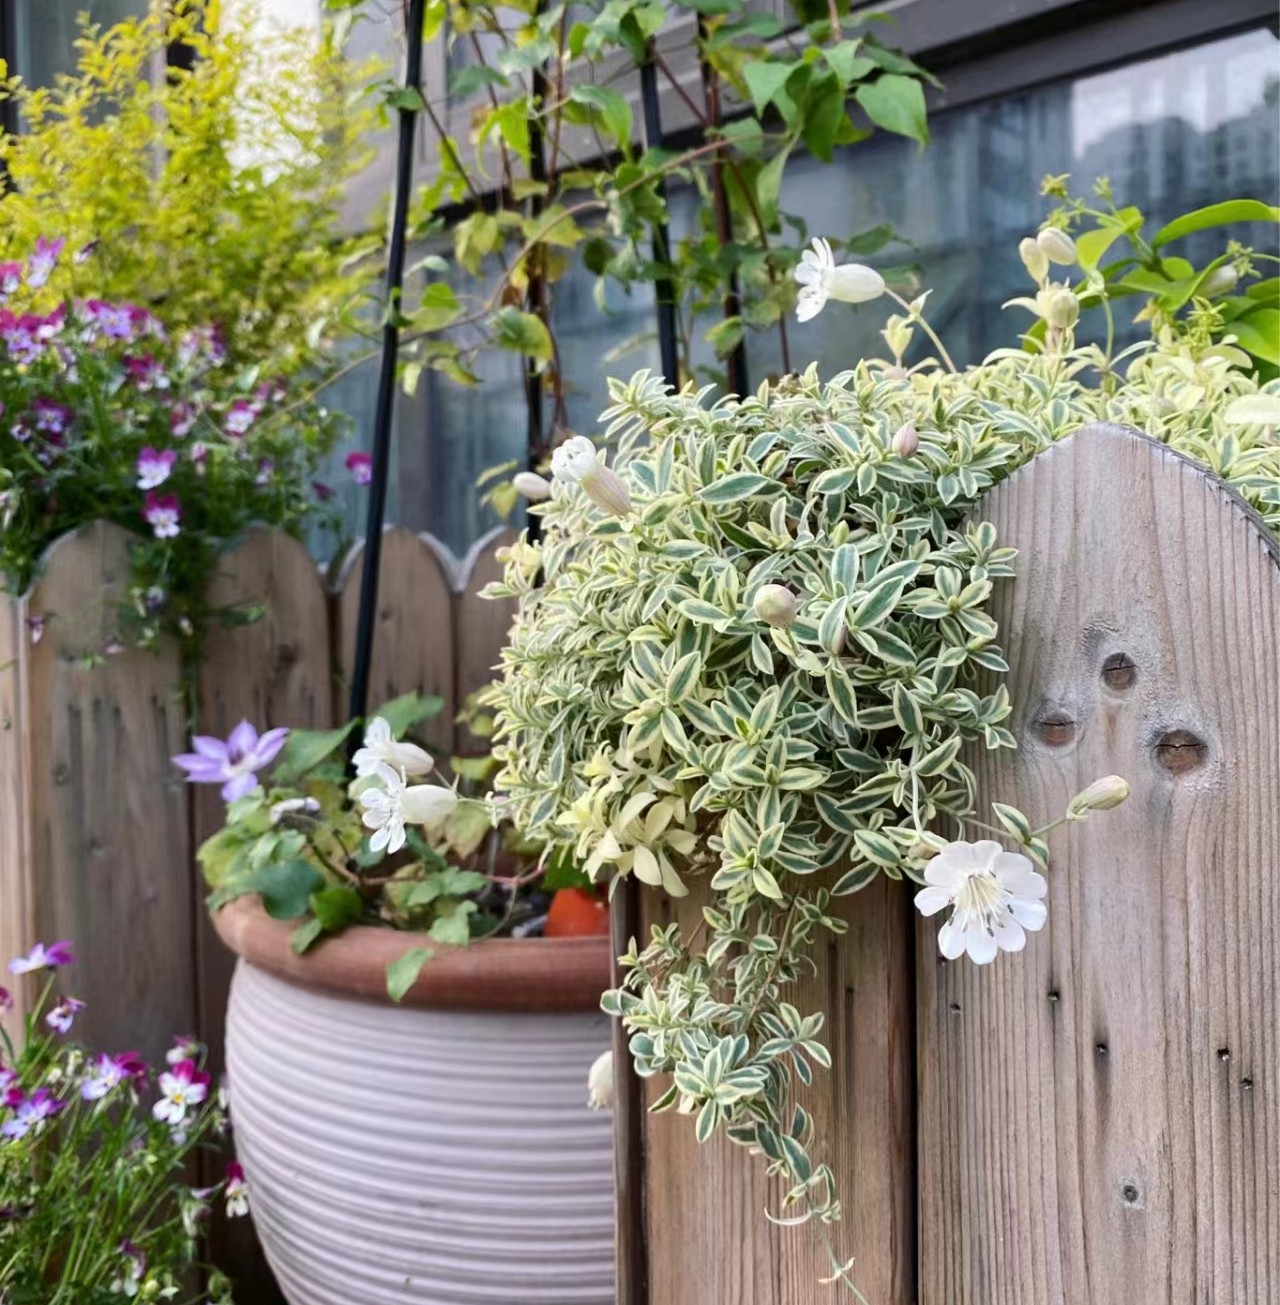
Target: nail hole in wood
<point x="1130" y="1194"/>
<point x="1054" y="729"/>
<point x="1179" y="751"/>
<point x="955" y="1008"/>
<point x="1054" y="998"/>
<point x="1224" y="1053"/>
<point x="1119" y="671"/>
<point x="1100" y="1048"/>
<point x="1247" y="1084"/>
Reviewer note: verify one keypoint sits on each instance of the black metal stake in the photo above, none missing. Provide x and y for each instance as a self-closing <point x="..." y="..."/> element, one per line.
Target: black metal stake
<point x="383" y="412"/>
<point x="664" y="286"/>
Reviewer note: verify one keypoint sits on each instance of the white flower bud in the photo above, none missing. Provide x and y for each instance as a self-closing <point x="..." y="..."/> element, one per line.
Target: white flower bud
<point x="775" y="605"/>
<point x="1033" y="258"/>
<point x="604" y="487"/>
<point x="1221" y="281"/>
<point x="600" y="1082"/>
<point x="905" y="440"/>
<point x="1057" y="246"/>
<point x="533" y="486"/>
<point x="575" y="459"/>
<point x="1061" y="308"/>
<point x="428" y="804"/>
<point x="1101" y="795"/>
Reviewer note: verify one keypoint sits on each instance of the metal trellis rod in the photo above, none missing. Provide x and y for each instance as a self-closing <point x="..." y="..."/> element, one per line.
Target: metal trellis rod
<point x="664" y="286"/>
<point x="384" y="411"/>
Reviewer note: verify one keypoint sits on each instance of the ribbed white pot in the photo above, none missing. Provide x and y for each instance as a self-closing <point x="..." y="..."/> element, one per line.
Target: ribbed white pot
<point x="398" y="1155"/>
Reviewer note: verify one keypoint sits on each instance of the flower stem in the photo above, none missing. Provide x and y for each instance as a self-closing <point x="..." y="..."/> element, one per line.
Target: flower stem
<point x="925" y="327"/>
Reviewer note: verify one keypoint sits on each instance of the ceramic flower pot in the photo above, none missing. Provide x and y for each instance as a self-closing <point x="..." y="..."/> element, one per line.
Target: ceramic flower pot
<point x="435" y="1152"/>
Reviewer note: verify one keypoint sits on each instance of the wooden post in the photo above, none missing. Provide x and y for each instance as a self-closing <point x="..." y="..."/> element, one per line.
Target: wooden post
<point x="706" y="1235"/>
<point x="1100" y="1116"/>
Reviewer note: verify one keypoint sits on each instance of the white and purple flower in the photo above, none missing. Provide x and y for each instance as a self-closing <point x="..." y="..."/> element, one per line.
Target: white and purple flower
<point x="147" y="373"/>
<point x="10" y="277"/>
<point x="29" y="1113"/>
<point x="181" y="1087"/>
<point x="63" y="1015"/>
<point x="114" y="320"/>
<point x="41" y="957"/>
<point x="109" y="1072"/>
<point x="360" y="465"/>
<point x="154" y="467"/>
<point x="188" y="1047"/>
<point x="240" y="416"/>
<point x="237" y="1192"/>
<point x="182" y="417"/>
<point x="6" y="1001"/>
<point x="162" y="512"/>
<point x="128" y="1281"/>
<point x="235" y="763"/>
<point x="51" y="418"/>
<point x="43" y="260"/>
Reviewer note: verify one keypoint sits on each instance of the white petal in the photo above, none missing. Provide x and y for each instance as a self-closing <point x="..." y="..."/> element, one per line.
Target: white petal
<point x="929" y="901"/>
<point x="378" y="732"/>
<point x="1030" y="915"/>
<point x="395" y="835"/>
<point x="811" y="302"/>
<point x="808" y="274"/>
<point x="981" y="946"/>
<point x="942" y="871"/>
<point x="1009" y="935"/>
<point x="985" y="852"/>
<point x="951" y="939"/>
<point x="380" y="839"/>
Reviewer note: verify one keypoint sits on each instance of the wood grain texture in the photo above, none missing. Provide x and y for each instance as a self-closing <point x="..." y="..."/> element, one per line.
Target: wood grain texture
<point x="413" y="643"/>
<point x="708" y="1241"/>
<point x="481" y="626"/>
<point x="108" y="847"/>
<point x="17" y="909"/>
<point x="1100" y="1116"/>
<point x="275" y="671"/>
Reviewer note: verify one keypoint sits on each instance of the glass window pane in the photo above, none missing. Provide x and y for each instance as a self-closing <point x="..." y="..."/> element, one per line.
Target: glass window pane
<point x="45" y="32"/>
<point x="1172" y="133"/>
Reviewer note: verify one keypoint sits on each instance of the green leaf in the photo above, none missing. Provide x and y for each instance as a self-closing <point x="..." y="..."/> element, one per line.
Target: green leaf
<point x="824" y="113"/>
<point x="403" y="972"/>
<point x="765" y="80"/>
<point x="305" y="749"/>
<point x="726" y="335"/>
<point x="1013" y="820"/>
<point x="895" y="103"/>
<point x="305" y="935"/>
<point x="1259" y="333"/>
<point x="523" y="332"/>
<point x="285" y="887"/>
<point x="1253" y="410"/>
<point x="1216" y="215"/>
<point x="451" y="926"/>
<point x="684" y="675"/>
<point x="407" y="710"/>
<point x="847" y="63"/>
<point x="335" y="908"/>
<point x="739" y="485"/>
<point x="613" y="109"/>
<point x="853" y="881"/>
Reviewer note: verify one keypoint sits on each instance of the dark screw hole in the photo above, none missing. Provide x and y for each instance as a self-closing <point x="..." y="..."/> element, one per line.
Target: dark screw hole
<point x="1179" y="751"/>
<point x="1054" y="729"/>
<point x="1118" y="671"/>
<point x="1130" y="1193"/>
<point x="1224" y="1053"/>
<point x="1247" y="1084"/>
<point x="1053" y="995"/>
<point x="955" y="1008"/>
<point x="1100" y="1048"/>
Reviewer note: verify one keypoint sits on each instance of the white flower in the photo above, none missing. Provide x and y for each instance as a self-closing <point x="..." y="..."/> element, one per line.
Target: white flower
<point x="995" y="896"/>
<point x="821" y="279"/>
<point x="388" y="809"/>
<point x="380" y="747"/>
<point x="578" y="462"/>
<point x="600" y="1082"/>
<point x="575" y="459"/>
<point x="533" y="486"/>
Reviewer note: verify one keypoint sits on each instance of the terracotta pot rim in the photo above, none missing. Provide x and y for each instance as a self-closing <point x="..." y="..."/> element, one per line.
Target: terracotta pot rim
<point x="497" y="974"/>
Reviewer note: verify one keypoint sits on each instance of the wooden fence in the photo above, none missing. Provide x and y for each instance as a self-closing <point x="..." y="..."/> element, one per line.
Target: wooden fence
<point x="1097" y="1120"/>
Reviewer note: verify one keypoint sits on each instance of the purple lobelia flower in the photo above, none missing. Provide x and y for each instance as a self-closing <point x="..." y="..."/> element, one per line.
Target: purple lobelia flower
<point x="360" y="465"/>
<point x="235" y="763"/>
<point x="41" y="957"/>
<point x="109" y="1072"/>
<point x="153" y="467"/>
<point x="42" y="261"/>
<point x="162" y="512"/>
<point x="51" y="417"/>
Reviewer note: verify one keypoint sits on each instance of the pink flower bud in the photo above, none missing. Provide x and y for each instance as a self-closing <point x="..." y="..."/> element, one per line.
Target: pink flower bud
<point x="905" y="441"/>
<point x="604" y="487"/>
<point x="775" y="605"/>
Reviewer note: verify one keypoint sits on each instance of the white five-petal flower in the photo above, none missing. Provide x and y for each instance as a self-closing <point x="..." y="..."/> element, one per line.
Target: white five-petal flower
<point x="995" y="896"/>
<point x="820" y="279"/>
<point x="380" y="747"/>
<point x="578" y="462"/>
<point x="392" y="803"/>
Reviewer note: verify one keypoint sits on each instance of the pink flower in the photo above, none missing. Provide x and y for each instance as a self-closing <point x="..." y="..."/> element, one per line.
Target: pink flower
<point x="237" y="1192"/>
<point x="146" y="373"/>
<point x="240" y="416"/>
<point x="29" y="1113"/>
<point x="60" y="1018"/>
<point x="154" y="468"/>
<point x="322" y="491"/>
<point x="41" y="957"/>
<point x="182" y="416"/>
<point x="35" y="628"/>
<point x="6" y="1001"/>
<point x="235" y="763"/>
<point x="182" y="1086"/>
<point x="162" y="512"/>
<point x="115" y="320"/>
<point x="360" y="465"/>
<point x="10" y="277"/>
<point x="41" y="263"/>
<point x="110" y="1071"/>
<point x="85" y="253"/>
<point x="199" y="452"/>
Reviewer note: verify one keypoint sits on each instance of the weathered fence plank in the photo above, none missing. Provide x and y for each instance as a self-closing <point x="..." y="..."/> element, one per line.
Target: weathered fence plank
<point x="17" y="912"/>
<point x="481" y="626"/>
<point x="1100" y="1116"/>
<point x="105" y="856"/>
<point x="703" y="1205"/>
<point x="413" y="644"/>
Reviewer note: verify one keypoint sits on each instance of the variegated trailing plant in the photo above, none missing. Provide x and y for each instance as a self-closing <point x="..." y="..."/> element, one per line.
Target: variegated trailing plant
<point x="754" y="648"/>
